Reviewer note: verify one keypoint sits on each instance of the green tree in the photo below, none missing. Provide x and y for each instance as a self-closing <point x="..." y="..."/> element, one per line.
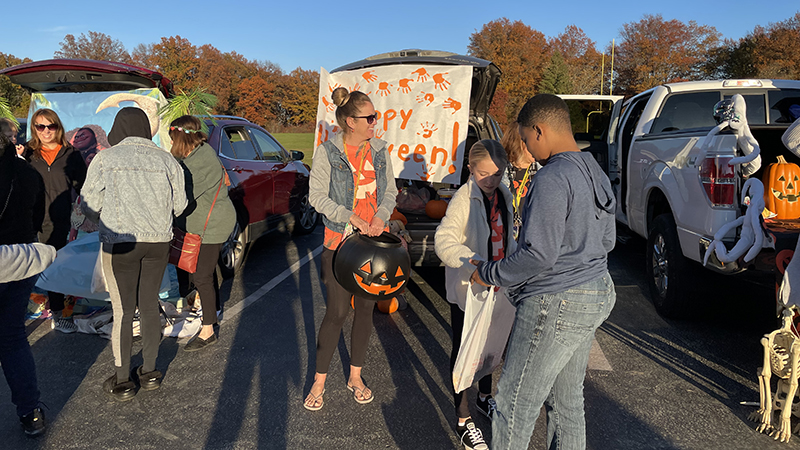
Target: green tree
<point x="556" y="79"/>
<point x="18" y="99"/>
<point x="97" y="46"/>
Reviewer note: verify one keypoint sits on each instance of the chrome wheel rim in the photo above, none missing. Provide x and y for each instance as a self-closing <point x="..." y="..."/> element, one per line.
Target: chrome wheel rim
<point x="660" y="265"/>
<point x="233" y="248"/>
<point x="308" y="215"/>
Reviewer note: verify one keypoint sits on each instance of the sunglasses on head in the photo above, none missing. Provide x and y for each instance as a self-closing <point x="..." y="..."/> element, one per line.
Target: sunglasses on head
<point x="51" y="127"/>
<point x="370" y="118"/>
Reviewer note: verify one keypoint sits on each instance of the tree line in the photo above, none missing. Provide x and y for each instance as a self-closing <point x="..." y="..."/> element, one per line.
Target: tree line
<point x="649" y="52"/>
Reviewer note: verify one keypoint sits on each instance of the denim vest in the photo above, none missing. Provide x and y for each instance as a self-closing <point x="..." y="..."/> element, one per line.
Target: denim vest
<point x="342" y="189"/>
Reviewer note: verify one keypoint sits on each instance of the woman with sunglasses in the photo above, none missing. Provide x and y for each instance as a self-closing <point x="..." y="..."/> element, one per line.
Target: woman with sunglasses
<point x="63" y="170"/>
<point x="352" y="185"/>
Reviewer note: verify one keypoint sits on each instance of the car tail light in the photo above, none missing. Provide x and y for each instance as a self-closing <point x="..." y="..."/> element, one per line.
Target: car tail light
<point x="718" y="178"/>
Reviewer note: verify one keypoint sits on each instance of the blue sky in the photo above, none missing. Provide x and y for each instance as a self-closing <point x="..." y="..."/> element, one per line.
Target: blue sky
<point x="312" y="34"/>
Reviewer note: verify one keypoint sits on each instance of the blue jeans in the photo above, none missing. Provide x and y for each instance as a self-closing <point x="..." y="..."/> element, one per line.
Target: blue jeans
<point x="15" y="352"/>
<point x="548" y="352"/>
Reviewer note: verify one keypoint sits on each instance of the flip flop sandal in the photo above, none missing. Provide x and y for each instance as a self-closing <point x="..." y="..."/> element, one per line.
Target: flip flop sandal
<point x="358" y="391"/>
<point x="314" y="399"/>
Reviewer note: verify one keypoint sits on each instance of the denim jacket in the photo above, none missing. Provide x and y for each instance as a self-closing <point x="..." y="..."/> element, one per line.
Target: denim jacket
<point x="133" y="189"/>
<point x="331" y="184"/>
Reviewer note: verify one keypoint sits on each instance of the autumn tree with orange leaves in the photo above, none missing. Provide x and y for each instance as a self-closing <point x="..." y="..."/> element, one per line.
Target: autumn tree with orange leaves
<point x="520" y="52"/>
<point x="654" y="51"/>
<point x="583" y="60"/>
<point x="18" y="100"/>
<point x="767" y="52"/>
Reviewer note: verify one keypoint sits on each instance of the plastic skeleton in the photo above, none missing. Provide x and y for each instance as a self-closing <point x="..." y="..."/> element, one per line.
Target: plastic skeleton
<point x="781" y="357"/>
<point x="732" y="113"/>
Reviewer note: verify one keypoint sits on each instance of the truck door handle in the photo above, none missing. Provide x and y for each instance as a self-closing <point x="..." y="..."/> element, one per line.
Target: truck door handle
<point x="236" y="169"/>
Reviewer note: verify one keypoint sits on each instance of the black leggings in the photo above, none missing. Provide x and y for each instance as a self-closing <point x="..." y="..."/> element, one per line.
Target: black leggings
<point x="484" y="384"/>
<point x="57" y="237"/>
<point x="133" y="272"/>
<point x="338" y="308"/>
<point x="204" y="280"/>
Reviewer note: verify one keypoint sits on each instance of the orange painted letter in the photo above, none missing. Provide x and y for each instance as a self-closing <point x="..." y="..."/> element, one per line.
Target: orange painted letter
<point x="436" y="150"/>
<point x="419" y="150"/>
<point x="388" y="116"/>
<point x="402" y="152"/>
<point x="405" y="117"/>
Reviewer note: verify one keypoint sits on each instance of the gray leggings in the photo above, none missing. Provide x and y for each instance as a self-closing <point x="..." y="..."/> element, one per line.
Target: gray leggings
<point x="133" y="272"/>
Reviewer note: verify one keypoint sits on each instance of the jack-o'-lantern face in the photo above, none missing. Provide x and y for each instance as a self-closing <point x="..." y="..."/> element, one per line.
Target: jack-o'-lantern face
<point x="787" y="188"/>
<point x="781" y="189"/>
<point x="385" y="283"/>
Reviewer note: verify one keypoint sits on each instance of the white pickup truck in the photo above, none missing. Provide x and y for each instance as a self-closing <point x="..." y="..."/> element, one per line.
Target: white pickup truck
<point x="672" y="196"/>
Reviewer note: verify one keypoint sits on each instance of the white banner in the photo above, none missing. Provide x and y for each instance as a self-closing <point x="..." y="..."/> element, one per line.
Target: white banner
<point x="423" y="114"/>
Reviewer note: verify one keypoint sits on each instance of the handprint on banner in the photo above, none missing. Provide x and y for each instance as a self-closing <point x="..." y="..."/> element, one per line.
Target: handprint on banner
<point x="422" y="74"/>
<point x="355" y="88"/>
<point x="369" y="76"/>
<point x="333" y="88"/>
<point x="379" y="133"/>
<point x="441" y="83"/>
<point x="450" y="103"/>
<point x="426" y="172"/>
<point x="328" y="105"/>
<point x="427" y="129"/>
<point x="404" y="85"/>
<point x="383" y="88"/>
<point x="425" y="97"/>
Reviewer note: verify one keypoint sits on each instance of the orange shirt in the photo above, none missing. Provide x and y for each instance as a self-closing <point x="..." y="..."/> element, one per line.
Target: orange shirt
<point x="366" y="200"/>
<point x="497" y="252"/>
<point x="50" y="155"/>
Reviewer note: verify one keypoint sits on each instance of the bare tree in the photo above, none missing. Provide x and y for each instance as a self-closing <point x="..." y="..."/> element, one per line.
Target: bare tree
<point x="97" y="46"/>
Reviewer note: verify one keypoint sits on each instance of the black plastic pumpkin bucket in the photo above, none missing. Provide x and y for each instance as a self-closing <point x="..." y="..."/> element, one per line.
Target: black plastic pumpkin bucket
<point x="376" y="268"/>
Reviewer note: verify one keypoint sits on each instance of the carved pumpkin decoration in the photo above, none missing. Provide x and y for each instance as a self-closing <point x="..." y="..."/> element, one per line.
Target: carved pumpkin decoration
<point x="782" y="186"/>
<point x="388" y="306"/>
<point x="435" y="209"/>
<point x="376" y="268"/>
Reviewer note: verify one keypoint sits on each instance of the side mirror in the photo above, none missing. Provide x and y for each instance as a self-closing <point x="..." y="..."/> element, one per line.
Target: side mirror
<point x="297" y="155"/>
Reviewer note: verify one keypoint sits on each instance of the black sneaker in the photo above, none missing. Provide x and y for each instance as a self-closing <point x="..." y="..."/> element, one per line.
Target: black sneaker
<point x="471" y="436"/>
<point x="486" y="407"/>
<point x="149" y="381"/>
<point x="121" y="392"/>
<point x="199" y="343"/>
<point x="33" y="423"/>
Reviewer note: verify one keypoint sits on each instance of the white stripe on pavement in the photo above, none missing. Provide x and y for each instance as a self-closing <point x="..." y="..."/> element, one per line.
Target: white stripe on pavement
<point x="597" y="360"/>
<point x="237" y="309"/>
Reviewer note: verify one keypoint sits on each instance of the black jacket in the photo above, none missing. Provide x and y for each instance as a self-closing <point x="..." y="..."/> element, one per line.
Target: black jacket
<point x="22" y="198"/>
<point x="65" y="175"/>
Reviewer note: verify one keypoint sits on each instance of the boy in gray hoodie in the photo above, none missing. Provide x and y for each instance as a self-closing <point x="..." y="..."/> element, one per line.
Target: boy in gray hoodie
<point x="558" y="280"/>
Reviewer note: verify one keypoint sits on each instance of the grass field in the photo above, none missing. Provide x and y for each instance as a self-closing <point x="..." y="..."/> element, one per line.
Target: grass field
<point x="298" y="141"/>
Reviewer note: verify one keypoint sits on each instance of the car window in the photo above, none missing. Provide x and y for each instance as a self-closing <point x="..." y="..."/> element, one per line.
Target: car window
<point x="270" y="150"/>
<point x="241" y="147"/>
<point x="784" y="106"/>
<point x="685" y="111"/>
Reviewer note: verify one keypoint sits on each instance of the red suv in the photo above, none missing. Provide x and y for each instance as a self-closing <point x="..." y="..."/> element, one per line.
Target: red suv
<point x="269" y="185"/>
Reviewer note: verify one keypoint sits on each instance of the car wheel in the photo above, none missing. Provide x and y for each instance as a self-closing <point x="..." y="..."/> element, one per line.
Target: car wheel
<point x="231" y="256"/>
<point x="305" y="221"/>
<point x="668" y="270"/>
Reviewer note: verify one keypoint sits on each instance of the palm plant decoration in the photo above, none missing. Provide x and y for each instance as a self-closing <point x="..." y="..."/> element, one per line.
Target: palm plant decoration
<point x="5" y="111"/>
<point x="196" y="102"/>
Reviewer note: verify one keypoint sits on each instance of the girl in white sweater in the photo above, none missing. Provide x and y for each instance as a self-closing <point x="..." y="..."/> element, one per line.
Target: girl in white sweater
<point x="478" y="226"/>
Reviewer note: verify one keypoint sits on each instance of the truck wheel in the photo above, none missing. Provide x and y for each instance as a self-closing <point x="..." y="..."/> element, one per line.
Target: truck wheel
<point x="668" y="269"/>
<point x="232" y="255"/>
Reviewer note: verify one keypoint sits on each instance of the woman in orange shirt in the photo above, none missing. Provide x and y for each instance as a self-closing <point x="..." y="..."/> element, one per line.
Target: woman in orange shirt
<point x="63" y="171"/>
<point x="352" y="185"/>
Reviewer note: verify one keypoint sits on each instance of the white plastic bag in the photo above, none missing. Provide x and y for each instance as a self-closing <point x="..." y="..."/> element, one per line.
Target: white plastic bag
<point x="73" y="270"/>
<point x="98" y="276"/>
<point x="488" y="318"/>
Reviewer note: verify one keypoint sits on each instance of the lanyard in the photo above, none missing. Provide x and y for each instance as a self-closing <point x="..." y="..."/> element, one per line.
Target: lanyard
<point x="518" y="194"/>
